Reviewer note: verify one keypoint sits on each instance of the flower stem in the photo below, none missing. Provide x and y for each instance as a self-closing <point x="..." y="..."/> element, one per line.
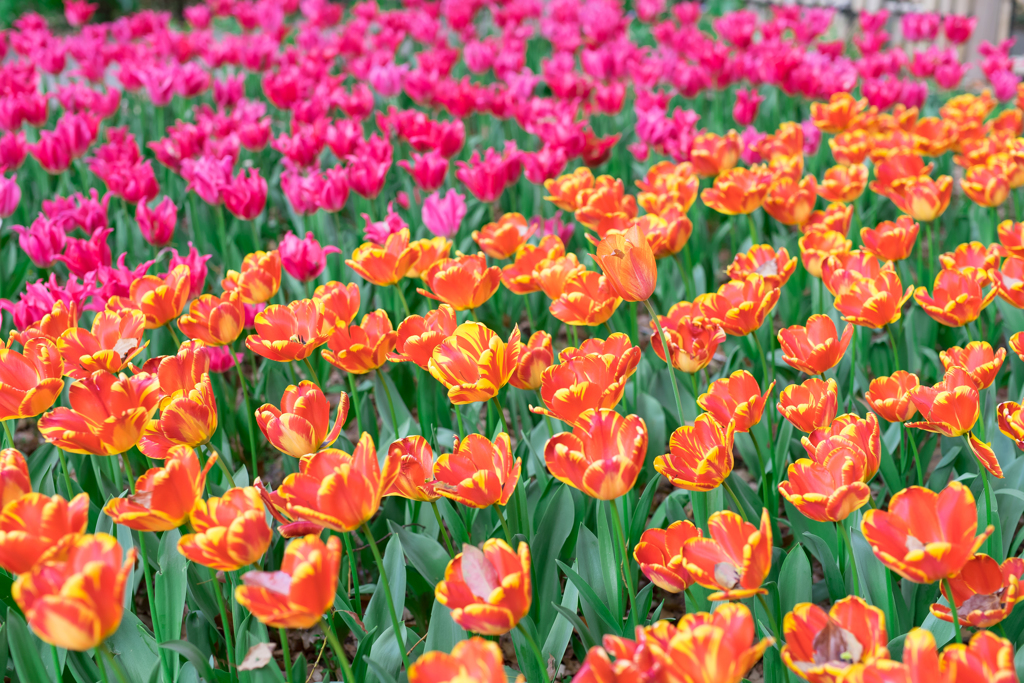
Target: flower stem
<point x="101" y="665"/>
<point x="952" y="611"/>
<point x="312" y="373"/>
<point x="917" y="458"/>
<point x="444" y="532"/>
<point x="771" y="617"/>
<point x="668" y="359"/>
<point x="174" y="335"/>
<point x="753" y="229"/>
<point x="248" y="412"/>
<point x="735" y="500"/>
<point x="339" y="652"/>
<point x="67" y="475"/>
<point x="223" y="619"/>
<point x="355" y="401"/>
<point x="892" y="342"/>
<point x="287" y="655"/>
<point x="536" y="652"/>
<point x="504" y="524"/>
<point x="391" y="406"/>
<point x="501" y="414"/>
<point x="853" y="560"/>
<point x="625" y="560"/>
<point x="353" y="569"/>
<point x="458" y="416"/>
<point x="395" y="624"/>
<point x="7" y="433"/>
<point x="401" y="297"/>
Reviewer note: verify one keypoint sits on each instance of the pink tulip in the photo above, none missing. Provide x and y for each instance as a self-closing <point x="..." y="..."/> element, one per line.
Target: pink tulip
<point x="245" y="195"/>
<point x="304" y="259"/>
<point x="197" y="269"/>
<point x="42" y="242"/>
<point x="443" y="215"/>
<point x="747" y="104"/>
<point x="10" y="195"/>
<point x="379" y="231"/>
<point x="157" y="224"/>
<point x="86" y="256"/>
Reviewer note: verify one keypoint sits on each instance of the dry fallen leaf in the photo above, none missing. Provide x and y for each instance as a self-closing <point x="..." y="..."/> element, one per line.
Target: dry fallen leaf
<point x="257" y="657"/>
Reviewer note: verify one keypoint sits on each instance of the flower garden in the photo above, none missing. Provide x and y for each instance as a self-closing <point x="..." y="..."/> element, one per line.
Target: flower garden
<point x="509" y="341"/>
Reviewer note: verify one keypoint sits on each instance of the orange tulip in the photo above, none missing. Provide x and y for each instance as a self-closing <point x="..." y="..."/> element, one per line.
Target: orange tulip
<point x="791" y="200"/>
<point x="488" y="590"/>
<point x="259" y="279"/>
<point x="891" y="241"/>
<point x="836" y="115"/>
<point x="217" y="321"/>
<point x="474" y="659"/>
<point x="663" y="177"/>
<point x="186" y="420"/>
<point x="776" y="267"/>
<point x="811" y="405"/>
<point x="977" y="359"/>
<point x="298" y="594"/>
<point x="700" y="456"/>
<point x="358" y="349"/>
<point x="35" y="528"/>
<point x="52" y="325"/>
<point x="874" y="302"/>
<point x="817" y="246"/>
<point x="1011" y="236"/>
<point x="551" y="275"/>
<point x="231" y="531"/>
<point x="738" y="190"/>
<point x="30" y="381"/>
<point x="735" y="560"/>
<point x="474" y="363"/>
<point x="736" y="399"/>
<point x="925" y="536"/>
<point x="605" y="206"/>
<point x="924" y="199"/>
<point x="428" y="252"/>
<point x="986" y="185"/>
<point x="786" y="143"/>
<point x="712" y="154"/>
<point x="692" y="339"/>
<point x="850" y="147"/>
<point x="464" y="282"/>
<point x="888" y="144"/>
<point x="628" y="263"/>
<point x="815" y="347"/>
<point x="534" y="358"/>
<point x="666" y="234"/>
<point x="1009" y="281"/>
<point x="384" y="265"/>
<point x="1010" y="418"/>
<point x="107" y="414"/>
<point x="986" y="658"/>
<point x="739" y="306"/>
<point x="159" y="298"/>
<point x="180" y="373"/>
<point x="660" y="555"/>
<point x="588" y="298"/>
<point x="933" y="136"/>
<point x="501" y="239"/>
<point x="76" y="602"/>
<point x="164" y="496"/>
<point x="828" y="490"/>
<point x="843" y="183"/>
<point x="338" y="303"/>
<point x="822" y="647"/>
<point x="114" y="340"/>
<point x="840" y="271"/>
<point x="890" y="396"/>
<point x="602" y="456"/>
<point x="419" y="335"/>
<point x="896" y="171"/>
<point x="951" y="407"/>
<point x="848" y="432"/>
<point x="836" y="217"/>
<point x="478" y="472"/>
<point x="565" y="188"/>
<point x="520" y="276"/>
<point x="984" y="591"/>
<point x="289" y="333"/>
<point x="415" y="479"/>
<point x="14" y="477"/>
<point x="336" y="490"/>
<point x="303" y="423"/>
<point x="956" y="299"/>
<point x="1016" y="344"/>
<point x="973" y="259"/>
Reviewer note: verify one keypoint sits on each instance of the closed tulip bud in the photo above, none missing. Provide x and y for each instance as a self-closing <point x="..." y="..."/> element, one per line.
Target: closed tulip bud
<point x="815" y="347"/>
<point x="700" y="456"/>
<point x="10" y="195"/>
<point x="659" y="553"/>
<point x="30" y="381"/>
<point x="474" y="659"/>
<point x="478" y="473"/>
<point x="231" y="531"/>
<point x="534" y="358"/>
<point x="14" y="478"/>
<point x="415" y="480"/>
<point x="35" y="528"/>
<point x="164" y="496"/>
<point x="186" y="420"/>
<point x="984" y="592"/>
<point x="487" y="590"/>
<point x="602" y="456"/>
<point x="891" y="240"/>
<point x="302" y="425"/>
<point x="289" y="333"/>
<point x="586" y="298"/>
<point x="824" y="646"/>
<point x="76" y="602"/>
<point x="259" y="279"/>
<point x="977" y="359"/>
<point x="692" y="339"/>
<point x="739" y="306"/>
<point x="628" y="263"/>
<point x="925" y="536"/>
<point x="428" y="170"/>
<point x="297" y="595"/>
<point x="216" y="321"/>
<point x="738" y="190"/>
<point x="501" y="239"/>
<point x="464" y="282"/>
<point x="160" y="299"/>
<point x="418" y="336"/>
<point x="811" y="405"/>
<point x="890" y="396"/>
<point x="734" y="560"/>
<point x="736" y="399"/>
<point x="474" y="363"/>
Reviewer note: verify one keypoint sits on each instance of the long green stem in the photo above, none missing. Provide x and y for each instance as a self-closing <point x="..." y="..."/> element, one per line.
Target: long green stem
<point x="401" y="297"/>
<point x="225" y="469"/>
<point x="892" y="343"/>
<point x="458" y="417"/>
<point x="312" y="373"/>
<point x="353" y="569"/>
<point x="753" y="229"/>
<point x="504" y="524"/>
<point x="771" y="618"/>
<point x="355" y="401"/>
<point x="764" y="469"/>
<point x="56" y="662"/>
<point x="952" y="610"/>
<point x="391" y="405"/>
<point x="7" y="433"/>
<point x="625" y="561"/>
<point x="536" y="652"/>
<point x="67" y="475"/>
<point x="735" y="500"/>
<point x="174" y="335"/>
<point x="668" y="359"/>
<point x="248" y="414"/>
<point x="501" y="414"/>
<point x="228" y="639"/>
<point x="395" y="624"/>
<point x="339" y="651"/>
<point x="917" y="458"/>
<point x="853" y="560"/>
<point x="444" y="531"/>
<point x="283" y="632"/>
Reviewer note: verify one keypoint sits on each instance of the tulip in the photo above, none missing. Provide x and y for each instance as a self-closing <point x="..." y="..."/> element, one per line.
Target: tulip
<point x="977" y="360"/>
<point x="735" y="399"/>
<point x="378" y="232"/>
<point x="358" y="349"/>
<point x="1011" y="236"/>
<point x="35" y="528"/>
<point x="847" y="432"/>
<point x="738" y="190"/>
<point x="587" y="298"/>
<point x="810" y="406"/>
<point x="463" y="283"/>
<point x="196" y="268"/>
<point x="825" y="646"/>
<point x="428" y="170"/>
<point x="666" y="234"/>
<point x="418" y="336"/>
<point x="835" y="217"/>
<point x="302" y="425"/>
<point x="43" y="242"/>
<point x="850" y="147"/>
<point x="951" y="407"/>
<point x="415" y="480"/>
<point x="487" y="178"/>
<point x="922" y="198"/>
<point x="739" y="306"/>
<point x="338" y="303"/>
<point x="1011" y="421"/>
<point x="259" y="279"/>
<point x="890" y="396"/>
<point x="602" y="456"/>
<point x="550" y="275"/>
<point x="817" y="246"/>
<point x="700" y="456"/>
<point x="519" y="277"/>
<point x="776" y="267"/>
<point x="713" y="154"/>
<point x="889" y="240"/>
<point x="747" y="102"/>
<point x="1008" y="281"/>
<point x="791" y="200"/>
<point x="245" y="195"/>
<point x="843" y="183"/>
<point x="14" y="477"/>
<point x="815" y="347"/>
<point x="304" y="259"/>
<point x="76" y="602"/>
<point x="231" y="531"/>
<point x="30" y="381"/>
<point x="925" y="536"/>
<point x="473" y="363"/>
<point x="830" y="487"/>
<point x="501" y="239"/>
<point x="986" y="185"/>
<point x="487" y="590"/>
<point x="692" y="339"/>
<point x="534" y="358"/>
<point x="10" y="195"/>
<point x="297" y="595"/>
<point x="160" y="299"/>
<point x="85" y="256"/>
<point x="734" y="560"/>
<point x="384" y="265"/>
<point x="983" y="591"/>
<point x="838" y="113"/>
<point x="443" y="214"/>
<point x="474" y="659"/>
<point x="428" y="252"/>
<point x="874" y="302"/>
<point x="659" y="553"/>
<point x="164" y="496"/>
<point x="605" y="206"/>
<point x="564" y="189"/>
<point x="668" y="184"/>
<point x="157" y="224"/>
<point x="216" y="321"/>
<point x="107" y="414"/>
<point x="289" y="333"/>
<point x="179" y="374"/>
<point x="186" y="420"/>
<point x="478" y="473"/>
<point x="628" y="263"/>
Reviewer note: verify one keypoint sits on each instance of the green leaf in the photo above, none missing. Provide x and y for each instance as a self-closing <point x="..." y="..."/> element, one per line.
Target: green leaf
<point x="359" y="660"/>
<point x="561" y="630"/>
<point x="638" y="520"/>
<point x="872" y="575"/>
<point x="193" y="655"/>
<point x="134" y="647"/>
<point x="525" y="657"/>
<point x="588" y="638"/>
<point x="795" y="579"/>
<point x="426" y="554"/>
<point x="170" y="587"/>
<point x="833" y="579"/>
<point x="606" y="545"/>
<point x="454" y="522"/>
<point x="590" y="597"/>
<point x="384" y="655"/>
<point x="377" y="614"/>
<point x="27" y="661"/>
<point x="382" y="674"/>
<point x="444" y="633"/>
<point x="552" y="531"/>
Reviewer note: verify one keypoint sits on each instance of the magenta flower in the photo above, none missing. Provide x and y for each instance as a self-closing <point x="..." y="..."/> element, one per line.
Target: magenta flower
<point x="42" y="242"/>
<point x="197" y="270"/>
<point x="10" y="195"/>
<point x="157" y="224"/>
<point x="443" y="215"/>
<point x="304" y="259"/>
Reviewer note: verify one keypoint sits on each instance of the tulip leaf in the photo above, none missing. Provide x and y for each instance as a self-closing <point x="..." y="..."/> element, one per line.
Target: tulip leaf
<point x="525" y="656"/>
<point x="134" y="647"/>
<point x="561" y="630"/>
<point x="833" y="579"/>
<point x="426" y="555"/>
<point x="193" y="655"/>
<point x="454" y="522"/>
<point x="590" y="598"/>
<point x="638" y="518"/>
<point x="359" y="659"/>
<point x="23" y="647"/>
<point x="795" y="580"/>
<point x="872" y="575"/>
<point x="444" y="633"/>
<point x="382" y="674"/>
<point x="752" y="505"/>
<point x="170" y="585"/>
<point x="377" y="614"/>
<point x="552" y="531"/>
<point x="607" y="544"/>
<point x="942" y="630"/>
<point x="384" y="656"/>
